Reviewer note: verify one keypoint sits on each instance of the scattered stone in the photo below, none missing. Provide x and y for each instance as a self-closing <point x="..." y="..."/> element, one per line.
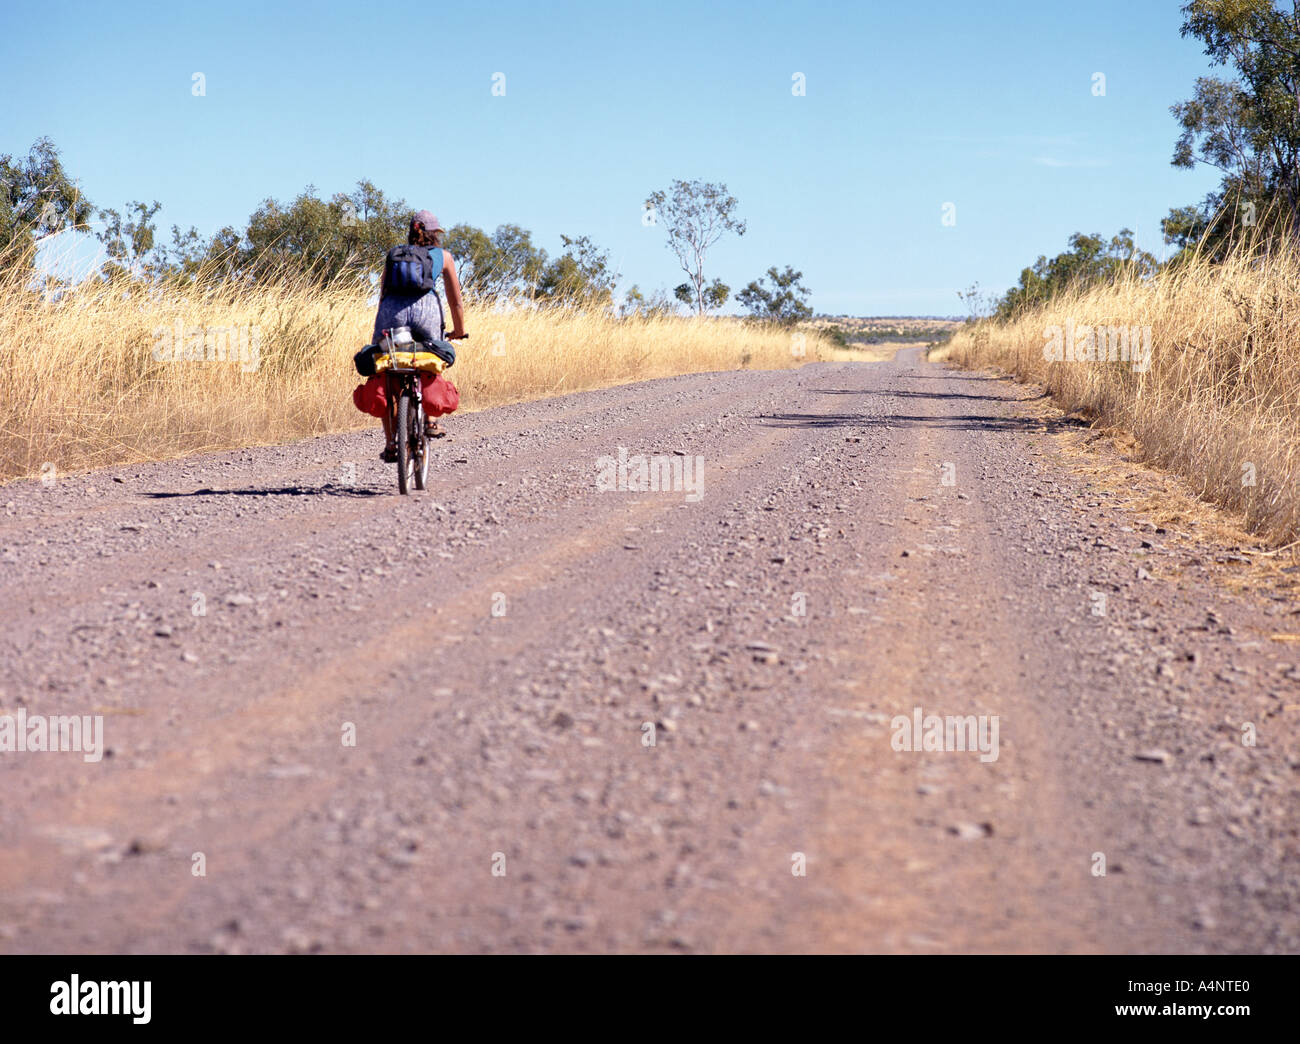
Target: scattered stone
<point x="144" y="845"/>
<point x="1156" y="757"/>
<point x="298" y="941"/>
<point x="288" y="771"/>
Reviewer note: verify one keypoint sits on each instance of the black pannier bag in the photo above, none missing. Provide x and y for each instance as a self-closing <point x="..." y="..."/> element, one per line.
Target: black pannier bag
<point x="443" y="350"/>
<point x="364" y="360"/>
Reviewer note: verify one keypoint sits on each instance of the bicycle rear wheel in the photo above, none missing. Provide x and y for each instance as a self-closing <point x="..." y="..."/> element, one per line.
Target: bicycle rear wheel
<point x="420" y="446"/>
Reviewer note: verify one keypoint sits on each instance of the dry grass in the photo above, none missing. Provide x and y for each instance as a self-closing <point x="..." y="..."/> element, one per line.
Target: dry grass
<point x="86" y="381"/>
<point x="1219" y="402"/>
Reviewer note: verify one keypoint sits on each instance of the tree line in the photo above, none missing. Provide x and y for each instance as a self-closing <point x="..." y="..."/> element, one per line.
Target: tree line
<point x="345" y="237"/>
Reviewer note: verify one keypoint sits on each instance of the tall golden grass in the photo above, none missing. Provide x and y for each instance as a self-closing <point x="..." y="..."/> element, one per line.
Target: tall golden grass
<point x="90" y="377"/>
<point x="1220" y="400"/>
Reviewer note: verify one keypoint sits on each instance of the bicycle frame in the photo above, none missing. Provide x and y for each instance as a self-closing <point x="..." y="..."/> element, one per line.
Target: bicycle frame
<point x="404" y="385"/>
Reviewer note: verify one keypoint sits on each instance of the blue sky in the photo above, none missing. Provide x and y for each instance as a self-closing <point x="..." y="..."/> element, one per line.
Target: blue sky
<point x="909" y="105"/>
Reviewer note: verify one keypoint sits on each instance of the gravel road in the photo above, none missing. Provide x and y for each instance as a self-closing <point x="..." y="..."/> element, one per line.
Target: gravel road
<point x="521" y="712"/>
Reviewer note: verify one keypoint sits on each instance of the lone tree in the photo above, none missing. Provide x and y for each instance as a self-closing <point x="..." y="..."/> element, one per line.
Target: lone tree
<point x="696" y="214"/>
<point x="783" y="303"/>
<point x="37" y="199"/>
<point x="1246" y="127"/>
<point x="715" y="294"/>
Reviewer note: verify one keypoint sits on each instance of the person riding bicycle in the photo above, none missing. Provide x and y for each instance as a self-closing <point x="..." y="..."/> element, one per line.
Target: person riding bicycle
<point x="421" y="310"/>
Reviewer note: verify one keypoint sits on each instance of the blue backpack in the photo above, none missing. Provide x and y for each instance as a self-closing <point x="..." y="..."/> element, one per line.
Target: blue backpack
<point x="411" y="270"/>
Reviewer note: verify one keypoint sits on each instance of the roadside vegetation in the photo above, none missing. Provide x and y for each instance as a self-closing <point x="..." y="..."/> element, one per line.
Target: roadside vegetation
<point x="107" y="373"/>
<point x="1218" y="399"/>
<point x="246" y="337"/>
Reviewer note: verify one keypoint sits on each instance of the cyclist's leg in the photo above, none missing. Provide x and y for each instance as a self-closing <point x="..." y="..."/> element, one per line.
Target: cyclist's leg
<point x="389" y="453"/>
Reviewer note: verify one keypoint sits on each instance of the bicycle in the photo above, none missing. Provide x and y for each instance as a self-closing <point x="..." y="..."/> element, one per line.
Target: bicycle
<point x="406" y="416"/>
<point x="405" y="363"/>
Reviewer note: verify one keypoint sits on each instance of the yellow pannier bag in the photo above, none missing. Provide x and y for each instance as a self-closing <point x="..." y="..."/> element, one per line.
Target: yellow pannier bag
<point x="426" y="361"/>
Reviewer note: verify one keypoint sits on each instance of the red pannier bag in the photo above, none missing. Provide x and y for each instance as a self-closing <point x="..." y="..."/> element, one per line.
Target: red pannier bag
<point x="439" y="394"/>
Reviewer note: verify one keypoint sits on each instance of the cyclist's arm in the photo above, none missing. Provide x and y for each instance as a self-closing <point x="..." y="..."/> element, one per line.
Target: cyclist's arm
<point x="452" y="284"/>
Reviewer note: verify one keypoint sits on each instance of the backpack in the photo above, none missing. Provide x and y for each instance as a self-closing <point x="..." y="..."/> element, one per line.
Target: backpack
<point x="411" y="270"/>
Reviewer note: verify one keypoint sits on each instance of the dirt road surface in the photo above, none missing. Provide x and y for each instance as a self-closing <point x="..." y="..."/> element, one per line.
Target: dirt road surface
<point x="341" y="720"/>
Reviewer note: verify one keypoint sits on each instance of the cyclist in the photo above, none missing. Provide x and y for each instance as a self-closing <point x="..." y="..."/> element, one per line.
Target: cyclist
<point x="421" y="310"/>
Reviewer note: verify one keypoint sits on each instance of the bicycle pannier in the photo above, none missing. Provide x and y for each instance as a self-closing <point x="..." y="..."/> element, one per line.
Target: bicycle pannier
<point x="364" y="360"/>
